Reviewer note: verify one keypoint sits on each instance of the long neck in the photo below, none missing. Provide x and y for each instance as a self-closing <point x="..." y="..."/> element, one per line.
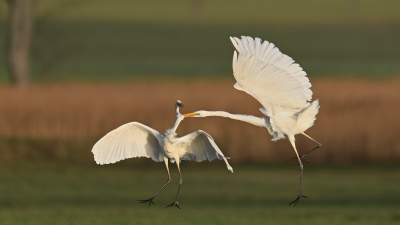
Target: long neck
<point x="258" y="121"/>
<point x="178" y="121"/>
<point x="177" y="113"/>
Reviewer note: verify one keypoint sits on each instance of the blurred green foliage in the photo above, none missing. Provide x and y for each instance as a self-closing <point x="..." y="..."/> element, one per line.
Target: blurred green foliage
<point x="122" y="39"/>
<point x="210" y="194"/>
<point x="226" y="12"/>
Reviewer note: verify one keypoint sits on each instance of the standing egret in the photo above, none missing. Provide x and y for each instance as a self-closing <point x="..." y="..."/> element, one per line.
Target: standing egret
<point x="134" y="139"/>
<point x="282" y="88"/>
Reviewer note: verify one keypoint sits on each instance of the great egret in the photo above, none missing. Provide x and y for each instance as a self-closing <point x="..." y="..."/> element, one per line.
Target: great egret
<point x="134" y="139"/>
<point x="282" y="88"/>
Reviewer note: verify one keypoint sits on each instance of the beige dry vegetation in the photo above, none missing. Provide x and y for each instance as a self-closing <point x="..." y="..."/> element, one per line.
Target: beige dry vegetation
<point x="358" y="120"/>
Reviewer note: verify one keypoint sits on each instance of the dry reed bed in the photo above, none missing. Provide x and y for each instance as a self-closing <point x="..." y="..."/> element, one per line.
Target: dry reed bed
<point x="358" y="120"/>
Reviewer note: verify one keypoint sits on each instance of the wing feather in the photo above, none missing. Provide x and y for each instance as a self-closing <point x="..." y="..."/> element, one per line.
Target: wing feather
<point x="199" y="146"/>
<point x="271" y="77"/>
<point x="257" y="47"/>
<point x="128" y="141"/>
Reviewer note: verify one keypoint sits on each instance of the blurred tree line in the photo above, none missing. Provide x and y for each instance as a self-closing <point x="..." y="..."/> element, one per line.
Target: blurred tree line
<point x="18" y="40"/>
<point x="22" y="25"/>
<point x="58" y="40"/>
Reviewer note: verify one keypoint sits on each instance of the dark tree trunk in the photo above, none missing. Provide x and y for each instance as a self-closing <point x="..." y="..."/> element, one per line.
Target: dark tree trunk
<point x="19" y="40"/>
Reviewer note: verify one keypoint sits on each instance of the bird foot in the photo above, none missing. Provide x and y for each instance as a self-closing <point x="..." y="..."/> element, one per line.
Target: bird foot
<point x="173" y="204"/>
<point x="298" y="199"/>
<point x="150" y="201"/>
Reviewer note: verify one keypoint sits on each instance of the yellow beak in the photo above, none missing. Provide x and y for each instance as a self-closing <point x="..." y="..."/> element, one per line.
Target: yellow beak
<point x="191" y="114"/>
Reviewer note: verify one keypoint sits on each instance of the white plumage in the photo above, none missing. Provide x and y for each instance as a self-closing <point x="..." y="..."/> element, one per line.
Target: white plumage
<point x="130" y="140"/>
<point x="134" y="139"/>
<point x="137" y="140"/>
<point x="279" y="84"/>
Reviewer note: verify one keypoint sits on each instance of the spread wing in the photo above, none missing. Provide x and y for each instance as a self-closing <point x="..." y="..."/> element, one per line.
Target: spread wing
<point x="269" y="76"/>
<point x="199" y="146"/>
<point x="128" y="141"/>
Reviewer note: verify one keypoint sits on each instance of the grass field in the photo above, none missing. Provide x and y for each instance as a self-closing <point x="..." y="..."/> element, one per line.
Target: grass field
<point x="137" y="58"/>
<point x="128" y="40"/>
<point x="49" y="194"/>
<point x="225" y="12"/>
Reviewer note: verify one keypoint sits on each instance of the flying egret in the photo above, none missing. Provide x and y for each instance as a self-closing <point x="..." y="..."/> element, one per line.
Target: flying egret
<point x="134" y="139"/>
<point x="282" y="88"/>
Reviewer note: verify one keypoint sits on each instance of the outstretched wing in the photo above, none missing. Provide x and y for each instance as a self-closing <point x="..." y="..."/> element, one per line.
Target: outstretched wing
<point x="199" y="146"/>
<point x="269" y="76"/>
<point x="128" y="141"/>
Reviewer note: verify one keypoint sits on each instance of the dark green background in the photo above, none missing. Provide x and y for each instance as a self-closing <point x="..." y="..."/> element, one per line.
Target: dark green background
<point x="100" y="40"/>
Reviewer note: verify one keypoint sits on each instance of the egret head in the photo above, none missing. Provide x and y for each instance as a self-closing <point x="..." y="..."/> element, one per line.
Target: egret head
<point x="180" y="104"/>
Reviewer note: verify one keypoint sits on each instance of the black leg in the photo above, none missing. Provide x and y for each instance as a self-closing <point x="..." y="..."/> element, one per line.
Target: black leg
<point x="150" y="200"/>
<point x="291" y="139"/>
<point x="300" y="189"/>
<point x="179" y="188"/>
<point x="302" y="156"/>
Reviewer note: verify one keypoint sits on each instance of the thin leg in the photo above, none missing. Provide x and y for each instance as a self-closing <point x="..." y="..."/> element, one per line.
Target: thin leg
<point x="150" y="200"/>
<point x="291" y="139"/>
<point x="315" y="148"/>
<point x="179" y="188"/>
<point x="319" y="144"/>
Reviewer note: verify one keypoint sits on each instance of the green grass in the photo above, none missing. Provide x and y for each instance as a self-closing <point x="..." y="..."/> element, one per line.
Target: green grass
<point x="99" y="40"/>
<point x="222" y="12"/>
<point x="120" y="51"/>
<point x="48" y="194"/>
<point x="226" y="12"/>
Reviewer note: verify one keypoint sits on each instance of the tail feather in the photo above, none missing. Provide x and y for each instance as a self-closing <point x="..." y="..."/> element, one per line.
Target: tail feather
<point x="307" y="116"/>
